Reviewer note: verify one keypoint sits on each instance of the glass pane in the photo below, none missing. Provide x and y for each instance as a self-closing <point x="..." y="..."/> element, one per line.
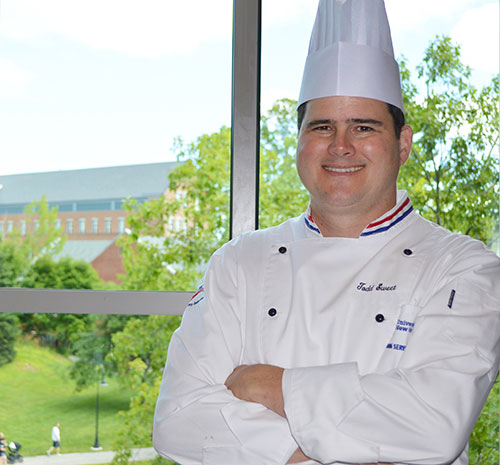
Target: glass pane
<point x="97" y="376"/>
<point x="97" y="102"/>
<point x="472" y="25"/>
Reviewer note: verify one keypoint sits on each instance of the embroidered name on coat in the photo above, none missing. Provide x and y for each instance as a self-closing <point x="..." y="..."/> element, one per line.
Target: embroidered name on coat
<point x="364" y="287"/>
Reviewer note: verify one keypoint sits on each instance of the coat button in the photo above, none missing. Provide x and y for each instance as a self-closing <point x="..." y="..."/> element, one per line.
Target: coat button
<point x="379" y="318"/>
<point x="282" y="249"/>
<point x="408" y="252"/>
<point x="272" y="312"/>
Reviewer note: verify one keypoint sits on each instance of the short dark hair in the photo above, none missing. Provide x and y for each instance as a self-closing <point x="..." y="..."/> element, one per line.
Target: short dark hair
<point x="398" y="117"/>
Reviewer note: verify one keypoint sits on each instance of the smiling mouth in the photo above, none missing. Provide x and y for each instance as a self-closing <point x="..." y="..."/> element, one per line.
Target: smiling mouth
<point x="351" y="169"/>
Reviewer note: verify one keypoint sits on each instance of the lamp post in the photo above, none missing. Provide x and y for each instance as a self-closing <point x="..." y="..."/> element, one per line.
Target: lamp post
<point x="102" y="383"/>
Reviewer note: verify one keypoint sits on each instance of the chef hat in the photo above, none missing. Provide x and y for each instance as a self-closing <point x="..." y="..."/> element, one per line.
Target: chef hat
<point x="351" y="54"/>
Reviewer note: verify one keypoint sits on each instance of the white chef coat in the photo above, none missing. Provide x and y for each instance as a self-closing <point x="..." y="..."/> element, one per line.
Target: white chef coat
<point x="390" y="344"/>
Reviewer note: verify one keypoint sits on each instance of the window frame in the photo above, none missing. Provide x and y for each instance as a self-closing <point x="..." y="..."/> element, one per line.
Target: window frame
<point x="245" y="129"/>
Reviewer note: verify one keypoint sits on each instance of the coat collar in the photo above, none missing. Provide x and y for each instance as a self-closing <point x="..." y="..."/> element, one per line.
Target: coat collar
<point x="383" y="223"/>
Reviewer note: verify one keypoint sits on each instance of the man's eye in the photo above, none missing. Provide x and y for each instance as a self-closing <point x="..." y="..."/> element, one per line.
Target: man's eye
<point x="322" y="128"/>
<point x="364" y="128"/>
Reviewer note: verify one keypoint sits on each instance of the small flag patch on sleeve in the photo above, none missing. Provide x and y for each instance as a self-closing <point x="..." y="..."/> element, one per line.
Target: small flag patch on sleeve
<point x="197" y="297"/>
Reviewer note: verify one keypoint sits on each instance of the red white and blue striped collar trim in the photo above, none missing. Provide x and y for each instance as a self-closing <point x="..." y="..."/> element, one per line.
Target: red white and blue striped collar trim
<point x="385" y="222"/>
<point x="310" y="224"/>
<point x="394" y="216"/>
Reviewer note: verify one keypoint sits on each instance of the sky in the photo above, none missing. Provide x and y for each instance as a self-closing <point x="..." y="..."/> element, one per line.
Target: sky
<point x="91" y="83"/>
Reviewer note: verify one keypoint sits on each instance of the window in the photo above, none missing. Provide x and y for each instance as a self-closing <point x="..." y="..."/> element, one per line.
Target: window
<point x="23" y="227"/>
<point x="36" y="224"/>
<point x="95" y="225"/>
<point x="1" y="228"/>
<point x="107" y="225"/>
<point x="146" y="303"/>
<point x="58" y="223"/>
<point x="10" y="226"/>
<point x="121" y="225"/>
<point x="82" y="225"/>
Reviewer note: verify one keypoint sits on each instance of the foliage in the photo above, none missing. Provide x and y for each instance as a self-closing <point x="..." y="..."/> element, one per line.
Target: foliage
<point x="42" y="237"/>
<point x="9" y="332"/>
<point x="139" y="354"/>
<point x="18" y="252"/>
<point x="26" y="262"/>
<point x="158" y="259"/>
<point x="452" y="173"/>
<point x="91" y="349"/>
<point x="59" y="330"/>
<point x="484" y="441"/>
<point x="13" y="265"/>
<point x="282" y="195"/>
<point x="65" y="273"/>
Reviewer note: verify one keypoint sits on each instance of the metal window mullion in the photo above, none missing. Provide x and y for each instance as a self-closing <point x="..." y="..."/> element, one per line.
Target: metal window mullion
<point x="92" y="301"/>
<point x="245" y="116"/>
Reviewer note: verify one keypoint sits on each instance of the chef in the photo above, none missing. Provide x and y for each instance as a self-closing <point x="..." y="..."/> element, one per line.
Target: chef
<point x="357" y="332"/>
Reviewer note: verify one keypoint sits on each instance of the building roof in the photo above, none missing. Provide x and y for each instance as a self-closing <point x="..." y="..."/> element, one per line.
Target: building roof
<point x="115" y="182"/>
<point x="83" y="250"/>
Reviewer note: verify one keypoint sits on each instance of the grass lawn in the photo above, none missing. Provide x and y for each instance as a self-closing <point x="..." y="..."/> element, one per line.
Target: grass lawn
<point x="35" y="392"/>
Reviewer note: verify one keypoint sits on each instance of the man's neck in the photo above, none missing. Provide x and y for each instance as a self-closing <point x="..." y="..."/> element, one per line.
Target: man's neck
<point x="344" y="228"/>
<point x="346" y="222"/>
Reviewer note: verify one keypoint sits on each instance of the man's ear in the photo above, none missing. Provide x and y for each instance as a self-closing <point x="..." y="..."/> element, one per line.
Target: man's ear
<point x="405" y="140"/>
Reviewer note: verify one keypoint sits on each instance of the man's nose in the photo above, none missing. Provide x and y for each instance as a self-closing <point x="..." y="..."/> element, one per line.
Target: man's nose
<point x="341" y="144"/>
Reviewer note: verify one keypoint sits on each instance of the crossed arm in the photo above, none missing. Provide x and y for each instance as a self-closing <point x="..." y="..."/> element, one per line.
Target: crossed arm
<point x="261" y="384"/>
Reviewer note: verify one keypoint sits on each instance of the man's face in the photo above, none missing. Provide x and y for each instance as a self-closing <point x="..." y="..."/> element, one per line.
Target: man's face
<point x="348" y="156"/>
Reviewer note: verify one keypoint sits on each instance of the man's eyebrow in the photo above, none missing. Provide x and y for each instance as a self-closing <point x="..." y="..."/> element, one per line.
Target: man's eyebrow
<point x="375" y="122"/>
<point x="319" y="122"/>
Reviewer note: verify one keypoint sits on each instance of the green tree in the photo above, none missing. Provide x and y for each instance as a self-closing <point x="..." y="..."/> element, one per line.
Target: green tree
<point x="282" y="195"/>
<point x="452" y="172"/>
<point x="92" y="348"/>
<point x="8" y="335"/>
<point x="58" y="330"/>
<point x="139" y="355"/>
<point x="18" y="252"/>
<point x="42" y="237"/>
<point x="65" y="273"/>
<point x="483" y="444"/>
<point x="14" y="265"/>
<point x="158" y="259"/>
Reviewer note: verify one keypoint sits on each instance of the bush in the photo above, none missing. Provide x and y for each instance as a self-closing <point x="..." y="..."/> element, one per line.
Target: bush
<point x="9" y="331"/>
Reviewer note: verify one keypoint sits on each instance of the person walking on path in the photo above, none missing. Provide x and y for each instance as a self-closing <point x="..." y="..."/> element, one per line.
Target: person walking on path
<point x="56" y="440"/>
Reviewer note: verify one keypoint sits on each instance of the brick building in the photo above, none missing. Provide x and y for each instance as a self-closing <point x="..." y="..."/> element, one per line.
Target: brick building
<point x="89" y="203"/>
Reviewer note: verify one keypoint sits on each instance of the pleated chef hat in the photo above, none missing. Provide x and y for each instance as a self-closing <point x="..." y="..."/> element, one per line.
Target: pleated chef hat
<point x="351" y="54"/>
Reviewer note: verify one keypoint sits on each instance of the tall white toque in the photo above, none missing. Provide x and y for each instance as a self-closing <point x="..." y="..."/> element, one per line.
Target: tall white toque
<point x="351" y="54"/>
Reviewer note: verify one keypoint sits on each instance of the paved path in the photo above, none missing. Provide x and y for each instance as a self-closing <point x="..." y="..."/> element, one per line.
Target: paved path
<point x="87" y="458"/>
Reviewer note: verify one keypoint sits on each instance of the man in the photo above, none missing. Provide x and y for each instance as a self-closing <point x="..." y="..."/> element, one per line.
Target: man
<point x="358" y="332"/>
<point x="56" y="440"/>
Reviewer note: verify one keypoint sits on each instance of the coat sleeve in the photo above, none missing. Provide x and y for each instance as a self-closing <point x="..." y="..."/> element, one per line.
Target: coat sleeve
<point x="422" y="411"/>
<point x="197" y="419"/>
